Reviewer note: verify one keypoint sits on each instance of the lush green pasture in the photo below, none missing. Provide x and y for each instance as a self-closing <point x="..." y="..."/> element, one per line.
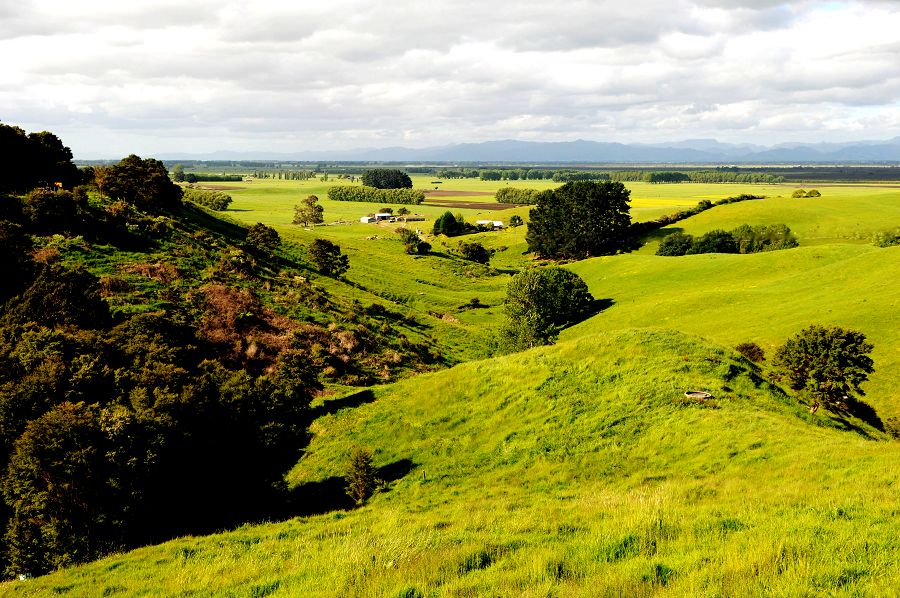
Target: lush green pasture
<point x="578" y="469"/>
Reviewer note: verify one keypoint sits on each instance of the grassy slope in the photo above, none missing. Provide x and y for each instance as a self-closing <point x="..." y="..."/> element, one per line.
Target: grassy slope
<point x="577" y="470"/>
<point x="835" y="277"/>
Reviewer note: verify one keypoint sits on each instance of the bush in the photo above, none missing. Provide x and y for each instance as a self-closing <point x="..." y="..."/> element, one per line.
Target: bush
<point x="675" y="244"/>
<point x="751" y="351"/>
<point x="327" y="258"/>
<point x="715" y="241"/>
<point x="799" y="193"/>
<point x="143" y="183"/>
<point x="474" y="252"/>
<point x="827" y="364"/>
<point x="411" y="242"/>
<point x="539" y="303"/>
<point x="887" y="239"/>
<point x="359" y="475"/>
<point x="753" y="239"/>
<point x="515" y="220"/>
<point x="813" y="193"/>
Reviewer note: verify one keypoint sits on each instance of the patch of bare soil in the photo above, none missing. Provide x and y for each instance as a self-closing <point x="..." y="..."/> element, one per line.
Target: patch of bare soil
<point x="475" y="205"/>
<point x="452" y="193"/>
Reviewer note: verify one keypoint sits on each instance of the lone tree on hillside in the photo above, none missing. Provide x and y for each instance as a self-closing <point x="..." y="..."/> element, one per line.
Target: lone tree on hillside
<point x="580" y="219"/>
<point x="263" y="238"/>
<point x="827" y="364"/>
<point x="360" y="475"/>
<point x="309" y="212"/>
<point x="386" y="178"/>
<point x="539" y="303"/>
<point x="327" y="257"/>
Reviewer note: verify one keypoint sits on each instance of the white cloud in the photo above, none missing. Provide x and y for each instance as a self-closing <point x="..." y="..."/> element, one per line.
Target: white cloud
<point x="160" y="75"/>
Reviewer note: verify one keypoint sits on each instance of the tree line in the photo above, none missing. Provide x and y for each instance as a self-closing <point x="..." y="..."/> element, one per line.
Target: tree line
<point x="373" y="195"/>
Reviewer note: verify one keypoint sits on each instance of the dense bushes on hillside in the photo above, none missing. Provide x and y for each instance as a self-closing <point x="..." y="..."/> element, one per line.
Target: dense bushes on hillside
<point x="165" y="397"/>
<point x="214" y="200"/>
<point x="373" y="195"/>
<point x="743" y="239"/>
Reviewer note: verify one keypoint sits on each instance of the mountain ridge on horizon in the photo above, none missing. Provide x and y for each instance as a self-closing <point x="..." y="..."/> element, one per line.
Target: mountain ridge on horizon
<point x="691" y="151"/>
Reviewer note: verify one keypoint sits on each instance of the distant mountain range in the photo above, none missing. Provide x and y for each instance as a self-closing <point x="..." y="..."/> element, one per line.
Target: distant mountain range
<point x="693" y="151"/>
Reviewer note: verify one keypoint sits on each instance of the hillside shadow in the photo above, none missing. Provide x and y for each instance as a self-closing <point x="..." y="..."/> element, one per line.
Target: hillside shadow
<point x="330" y="494"/>
<point x="348" y="402"/>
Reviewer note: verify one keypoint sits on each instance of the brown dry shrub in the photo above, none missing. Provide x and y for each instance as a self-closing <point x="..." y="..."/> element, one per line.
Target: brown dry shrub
<point x="112" y="285"/>
<point x="160" y="272"/>
<point x="45" y="255"/>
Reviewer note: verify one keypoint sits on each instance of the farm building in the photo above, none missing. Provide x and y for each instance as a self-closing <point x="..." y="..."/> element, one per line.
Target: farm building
<point x="490" y="223"/>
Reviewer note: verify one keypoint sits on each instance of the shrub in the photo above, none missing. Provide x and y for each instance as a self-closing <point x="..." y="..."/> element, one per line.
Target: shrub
<point x="515" y="220"/>
<point x="675" y="244"/>
<point x="826" y="363"/>
<point x="446" y="224"/>
<point x="753" y="239"/>
<point x="411" y="242"/>
<point x="474" y="252"/>
<point x="751" y="351"/>
<point x="887" y="239"/>
<point x="359" y="475"/>
<point x="798" y="193"/>
<point x="813" y="193"/>
<point x="715" y="241"/>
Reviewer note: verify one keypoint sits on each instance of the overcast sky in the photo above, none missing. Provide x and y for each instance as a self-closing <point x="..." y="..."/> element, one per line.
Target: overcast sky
<point x="159" y="76"/>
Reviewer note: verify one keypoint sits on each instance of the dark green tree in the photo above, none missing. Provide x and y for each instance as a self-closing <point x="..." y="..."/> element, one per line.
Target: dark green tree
<point x="359" y="475"/>
<point x="327" y="257"/>
<point x="178" y="173"/>
<point x="515" y="220"/>
<point x="580" y="219"/>
<point x="55" y="486"/>
<point x="539" y="303"/>
<point x="143" y="183"/>
<point x="263" y="238"/>
<point x="386" y="178"/>
<point x="826" y="363"/>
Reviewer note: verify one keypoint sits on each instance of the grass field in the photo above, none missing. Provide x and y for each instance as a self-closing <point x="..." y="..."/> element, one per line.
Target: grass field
<point x="581" y="468"/>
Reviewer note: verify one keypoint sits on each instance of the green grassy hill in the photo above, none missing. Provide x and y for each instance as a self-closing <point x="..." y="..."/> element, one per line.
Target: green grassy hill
<point x="577" y="469"/>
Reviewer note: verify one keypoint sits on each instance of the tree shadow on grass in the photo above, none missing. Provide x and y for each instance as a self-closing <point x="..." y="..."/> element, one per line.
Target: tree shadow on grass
<point x="348" y="402"/>
<point x="330" y="494"/>
<point x="600" y="305"/>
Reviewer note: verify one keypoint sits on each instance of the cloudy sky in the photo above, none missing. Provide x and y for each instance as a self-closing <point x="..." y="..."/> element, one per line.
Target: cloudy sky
<point x="160" y="76"/>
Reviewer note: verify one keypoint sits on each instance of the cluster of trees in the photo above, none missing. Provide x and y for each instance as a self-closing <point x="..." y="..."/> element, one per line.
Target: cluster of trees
<point x="580" y="220"/>
<point x="803" y="193"/>
<point x="451" y="225"/>
<point x="516" y="195"/>
<point x="34" y="160"/>
<point x="179" y="176"/>
<point x="386" y="178"/>
<point x="743" y="239"/>
<point x="214" y="200"/>
<point x="373" y="195"/>
<point x="539" y="303"/>
<point x="694" y="176"/>
<point x="639" y="229"/>
<point x="474" y="252"/>
<point x="537" y="174"/>
<point x="286" y="175"/>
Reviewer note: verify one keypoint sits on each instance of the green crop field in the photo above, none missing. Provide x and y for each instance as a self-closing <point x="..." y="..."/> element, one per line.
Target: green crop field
<point x="580" y="469"/>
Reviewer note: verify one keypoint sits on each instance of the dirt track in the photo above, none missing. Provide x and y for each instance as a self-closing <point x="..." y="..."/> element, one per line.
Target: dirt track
<point x="474" y="205"/>
<point x="452" y="193"/>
